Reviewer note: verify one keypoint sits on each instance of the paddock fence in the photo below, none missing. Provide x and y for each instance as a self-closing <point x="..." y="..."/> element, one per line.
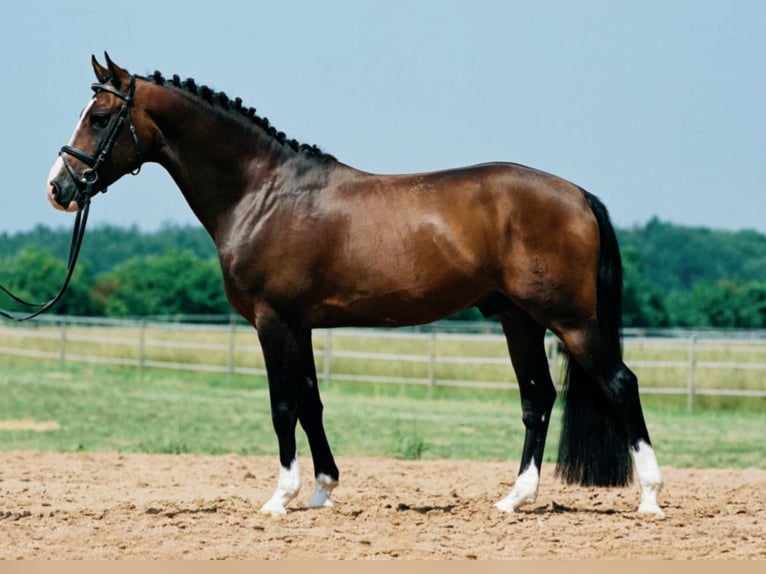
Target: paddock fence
<point x="690" y="363"/>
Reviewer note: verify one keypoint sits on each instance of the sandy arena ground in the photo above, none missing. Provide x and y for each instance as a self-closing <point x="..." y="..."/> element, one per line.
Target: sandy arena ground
<point x="114" y="506"/>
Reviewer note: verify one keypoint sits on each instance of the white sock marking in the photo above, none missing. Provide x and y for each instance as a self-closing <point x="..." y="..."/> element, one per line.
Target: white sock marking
<point x="524" y="490"/>
<point x="322" y="491"/>
<point x="288" y="485"/>
<point x="649" y="477"/>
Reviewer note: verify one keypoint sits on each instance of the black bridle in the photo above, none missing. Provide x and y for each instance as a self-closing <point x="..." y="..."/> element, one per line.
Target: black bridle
<point x="85" y="183"/>
<point x="86" y="180"/>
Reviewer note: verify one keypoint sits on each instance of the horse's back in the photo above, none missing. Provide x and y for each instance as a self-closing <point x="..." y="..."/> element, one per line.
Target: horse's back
<point x="490" y="217"/>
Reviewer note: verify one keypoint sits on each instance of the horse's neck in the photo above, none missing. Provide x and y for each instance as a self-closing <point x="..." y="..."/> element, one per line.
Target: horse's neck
<point x="213" y="159"/>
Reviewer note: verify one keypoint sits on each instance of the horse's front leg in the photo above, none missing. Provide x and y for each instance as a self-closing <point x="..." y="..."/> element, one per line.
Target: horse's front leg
<point x="310" y="416"/>
<point x="280" y="351"/>
<point x="526" y="344"/>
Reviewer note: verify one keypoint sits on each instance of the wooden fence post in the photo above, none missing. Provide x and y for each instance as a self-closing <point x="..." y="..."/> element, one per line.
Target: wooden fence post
<point x="141" y="346"/>
<point x="232" y="345"/>
<point x="432" y="363"/>
<point x="327" y="356"/>
<point x="62" y="343"/>
<point x="690" y="382"/>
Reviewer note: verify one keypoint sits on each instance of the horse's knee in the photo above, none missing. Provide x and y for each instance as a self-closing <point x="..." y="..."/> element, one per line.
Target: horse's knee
<point x="284" y="417"/>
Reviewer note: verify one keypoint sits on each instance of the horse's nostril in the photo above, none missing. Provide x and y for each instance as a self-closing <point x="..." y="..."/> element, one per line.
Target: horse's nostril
<point x="57" y="196"/>
<point x="55" y="193"/>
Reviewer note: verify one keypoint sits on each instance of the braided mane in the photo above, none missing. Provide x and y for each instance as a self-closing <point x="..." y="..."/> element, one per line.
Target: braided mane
<point x="221" y="100"/>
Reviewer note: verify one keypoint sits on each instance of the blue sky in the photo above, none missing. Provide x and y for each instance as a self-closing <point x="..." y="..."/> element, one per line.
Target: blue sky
<point x="657" y="107"/>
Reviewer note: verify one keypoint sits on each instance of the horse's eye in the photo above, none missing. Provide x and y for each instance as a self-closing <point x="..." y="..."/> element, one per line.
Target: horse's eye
<point x="99" y="120"/>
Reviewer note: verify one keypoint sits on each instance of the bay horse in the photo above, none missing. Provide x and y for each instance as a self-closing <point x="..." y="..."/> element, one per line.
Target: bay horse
<point x="308" y="242"/>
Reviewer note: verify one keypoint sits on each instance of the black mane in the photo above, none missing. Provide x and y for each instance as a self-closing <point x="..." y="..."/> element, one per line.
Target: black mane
<point x="221" y="100"/>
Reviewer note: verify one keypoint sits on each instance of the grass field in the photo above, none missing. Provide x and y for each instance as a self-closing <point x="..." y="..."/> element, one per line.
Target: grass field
<point x="47" y="406"/>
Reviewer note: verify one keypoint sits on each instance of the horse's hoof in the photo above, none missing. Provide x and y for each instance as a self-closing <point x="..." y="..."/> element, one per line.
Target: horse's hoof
<point x="651" y="511"/>
<point x="513" y="501"/>
<point x="319" y="502"/>
<point x="524" y="490"/>
<point x="505" y="506"/>
<point x="272" y="508"/>
<point x="322" y="491"/>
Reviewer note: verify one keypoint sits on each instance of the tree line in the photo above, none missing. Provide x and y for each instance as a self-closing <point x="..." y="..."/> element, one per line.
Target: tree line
<point x="122" y="272"/>
<point x="673" y="275"/>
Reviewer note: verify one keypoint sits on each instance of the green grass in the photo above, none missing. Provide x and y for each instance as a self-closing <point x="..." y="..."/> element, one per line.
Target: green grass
<point x="109" y="408"/>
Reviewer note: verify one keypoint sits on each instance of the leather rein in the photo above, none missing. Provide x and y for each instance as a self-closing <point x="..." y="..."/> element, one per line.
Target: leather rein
<point x="85" y="183"/>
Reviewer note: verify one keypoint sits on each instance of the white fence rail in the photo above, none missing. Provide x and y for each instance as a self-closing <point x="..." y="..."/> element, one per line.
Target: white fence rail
<point x="679" y="363"/>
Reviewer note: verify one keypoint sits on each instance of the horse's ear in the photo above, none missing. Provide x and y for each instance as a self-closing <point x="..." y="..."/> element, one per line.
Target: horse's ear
<point x="102" y="74"/>
<point x="119" y="77"/>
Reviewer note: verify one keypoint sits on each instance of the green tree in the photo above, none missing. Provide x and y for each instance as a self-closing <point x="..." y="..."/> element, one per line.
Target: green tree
<point x="36" y="276"/>
<point x="643" y="304"/>
<point x="176" y="282"/>
<point x="678" y="258"/>
<point x="722" y="304"/>
<point x="753" y="310"/>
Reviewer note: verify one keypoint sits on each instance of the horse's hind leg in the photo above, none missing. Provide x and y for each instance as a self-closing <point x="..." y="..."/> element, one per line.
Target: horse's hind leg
<point x="525" y="340"/>
<point x="600" y="363"/>
<point x="310" y="416"/>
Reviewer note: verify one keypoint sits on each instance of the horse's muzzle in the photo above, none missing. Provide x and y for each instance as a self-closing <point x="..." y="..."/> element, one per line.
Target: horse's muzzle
<point x="60" y="199"/>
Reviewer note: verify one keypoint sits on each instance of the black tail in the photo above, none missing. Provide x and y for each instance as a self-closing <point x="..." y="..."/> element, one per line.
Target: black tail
<point x="593" y="449"/>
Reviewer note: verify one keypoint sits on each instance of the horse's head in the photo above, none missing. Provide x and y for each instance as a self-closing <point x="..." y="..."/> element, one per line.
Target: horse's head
<point x="106" y="143"/>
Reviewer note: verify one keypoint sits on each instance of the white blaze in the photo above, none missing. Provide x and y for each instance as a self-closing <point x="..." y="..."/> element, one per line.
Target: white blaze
<point x="58" y="165"/>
